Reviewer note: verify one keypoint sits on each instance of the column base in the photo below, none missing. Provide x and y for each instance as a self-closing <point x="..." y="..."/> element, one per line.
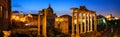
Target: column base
<point x="73" y="35"/>
<point x="45" y="36"/>
<point x="77" y="35"/>
<point x="91" y="30"/>
<point x="38" y="36"/>
<point x="84" y="32"/>
<point x="81" y="32"/>
<point x="88" y="31"/>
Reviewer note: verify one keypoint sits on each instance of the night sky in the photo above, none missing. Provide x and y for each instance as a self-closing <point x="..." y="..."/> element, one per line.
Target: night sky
<point x="61" y="7"/>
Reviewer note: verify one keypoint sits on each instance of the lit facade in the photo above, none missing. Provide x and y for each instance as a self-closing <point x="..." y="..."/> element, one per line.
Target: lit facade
<point x="83" y="20"/>
<point x="16" y="16"/>
<point x="63" y="23"/>
<point x="110" y="17"/>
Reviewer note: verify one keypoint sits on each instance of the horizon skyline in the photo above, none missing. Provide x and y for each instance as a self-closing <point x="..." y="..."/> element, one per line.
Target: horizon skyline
<point x="62" y="7"/>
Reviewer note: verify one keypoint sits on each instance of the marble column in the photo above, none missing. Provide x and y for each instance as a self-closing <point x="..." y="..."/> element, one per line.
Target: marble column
<point x="84" y="22"/>
<point x="39" y="24"/>
<point x="73" y="34"/>
<point x="77" y="26"/>
<point x="44" y="23"/>
<point x="95" y="23"/>
<point x="91" y="22"/>
<point x="81" y="25"/>
<point x="88" y="25"/>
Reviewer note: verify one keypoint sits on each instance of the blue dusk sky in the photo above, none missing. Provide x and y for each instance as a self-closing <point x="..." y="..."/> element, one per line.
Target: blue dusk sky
<point x="61" y="7"/>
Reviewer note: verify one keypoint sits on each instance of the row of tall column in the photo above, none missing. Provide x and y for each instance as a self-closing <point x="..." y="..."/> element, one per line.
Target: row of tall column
<point x="84" y="22"/>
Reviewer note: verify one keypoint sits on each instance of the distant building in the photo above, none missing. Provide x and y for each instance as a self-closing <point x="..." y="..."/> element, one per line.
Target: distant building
<point x="5" y="14"/>
<point x="18" y="16"/>
<point x="16" y="13"/>
<point x="109" y="17"/>
<point x="33" y="18"/>
<point x="83" y="21"/>
<point x="101" y="22"/>
<point x="100" y="19"/>
<point x="21" y="15"/>
<point x="64" y="23"/>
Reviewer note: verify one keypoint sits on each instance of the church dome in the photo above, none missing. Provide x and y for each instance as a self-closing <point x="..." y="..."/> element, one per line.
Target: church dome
<point x="50" y="9"/>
